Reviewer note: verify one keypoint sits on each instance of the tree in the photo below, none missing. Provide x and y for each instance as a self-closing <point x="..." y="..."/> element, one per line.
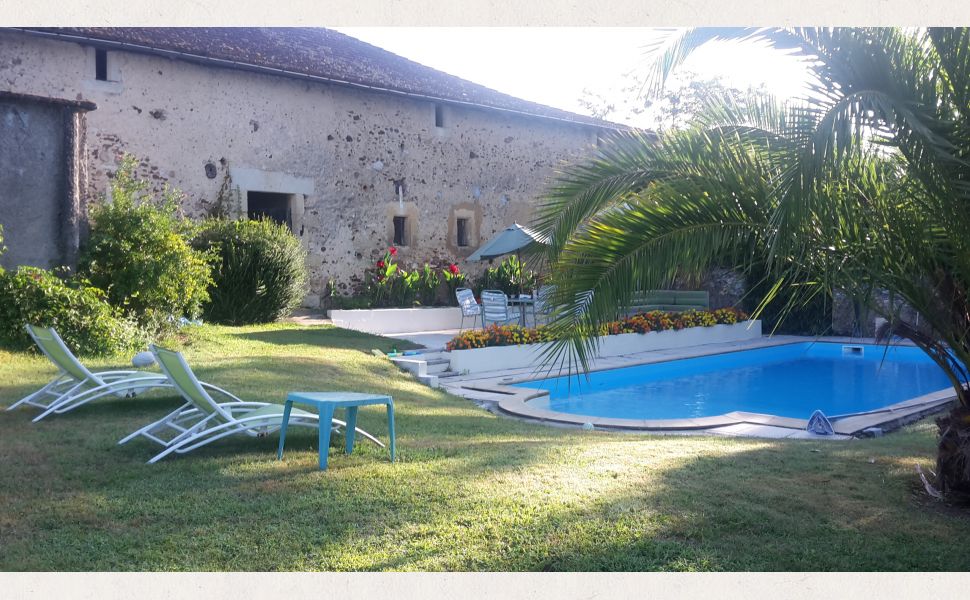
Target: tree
<point x="138" y="252"/>
<point x="676" y="108"/>
<point x="862" y="186"/>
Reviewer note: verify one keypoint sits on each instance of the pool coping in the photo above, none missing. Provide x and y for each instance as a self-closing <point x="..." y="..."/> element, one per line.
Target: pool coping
<point x="496" y="388"/>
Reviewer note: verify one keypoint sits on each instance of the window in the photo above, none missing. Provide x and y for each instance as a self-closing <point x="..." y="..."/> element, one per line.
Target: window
<point x="101" y="64"/>
<point x="462" y="231"/>
<point x="400" y="231"/>
<point x="439" y="115"/>
<point x="271" y="206"/>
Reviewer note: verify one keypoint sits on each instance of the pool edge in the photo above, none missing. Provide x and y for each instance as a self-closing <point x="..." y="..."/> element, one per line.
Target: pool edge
<point x="513" y="401"/>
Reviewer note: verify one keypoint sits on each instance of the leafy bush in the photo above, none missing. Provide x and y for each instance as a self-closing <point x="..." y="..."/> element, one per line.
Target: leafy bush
<point x="427" y="284"/>
<point x="139" y="254"/>
<point x="510" y="276"/>
<point x="86" y="322"/>
<point x="454" y="279"/>
<point x="655" y="320"/>
<point x="259" y="274"/>
<point x="387" y="285"/>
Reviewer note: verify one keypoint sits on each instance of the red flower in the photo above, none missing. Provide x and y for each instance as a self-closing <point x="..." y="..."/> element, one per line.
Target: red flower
<point x="380" y="264"/>
<point x="453" y="268"/>
<point x="392" y="251"/>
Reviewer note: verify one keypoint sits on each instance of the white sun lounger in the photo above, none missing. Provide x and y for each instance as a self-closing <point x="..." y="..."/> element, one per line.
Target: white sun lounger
<point x="76" y="385"/>
<point x="202" y="420"/>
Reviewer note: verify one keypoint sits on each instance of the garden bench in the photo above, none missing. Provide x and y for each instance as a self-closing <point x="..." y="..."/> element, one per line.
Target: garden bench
<point x="670" y="300"/>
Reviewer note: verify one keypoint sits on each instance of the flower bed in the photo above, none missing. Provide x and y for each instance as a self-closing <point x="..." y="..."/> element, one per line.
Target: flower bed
<point x="656" y="320"/>
<point x="517" y="355"/>
<point x="388" y="285"/>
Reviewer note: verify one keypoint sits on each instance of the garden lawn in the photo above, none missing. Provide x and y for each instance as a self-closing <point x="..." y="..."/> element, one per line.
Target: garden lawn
<point x="471" y="490"/>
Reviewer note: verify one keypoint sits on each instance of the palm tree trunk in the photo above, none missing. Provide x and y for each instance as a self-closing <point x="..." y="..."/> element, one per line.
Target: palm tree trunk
<point x="953" y="455"/>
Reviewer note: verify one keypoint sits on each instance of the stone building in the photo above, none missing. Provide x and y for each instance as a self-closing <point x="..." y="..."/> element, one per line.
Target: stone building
<point x="354" y="147"/>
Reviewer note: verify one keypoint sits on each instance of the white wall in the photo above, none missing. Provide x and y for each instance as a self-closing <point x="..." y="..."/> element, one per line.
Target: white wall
<point x="496" y="358"/>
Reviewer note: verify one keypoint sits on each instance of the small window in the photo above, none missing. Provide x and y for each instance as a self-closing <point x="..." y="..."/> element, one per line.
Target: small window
<point x="462" y="230"/>
<point x="400" y="237"/>
<point x="439" y="115"/>
<point x="268" y="205"/>
<point x="101" y="64"/>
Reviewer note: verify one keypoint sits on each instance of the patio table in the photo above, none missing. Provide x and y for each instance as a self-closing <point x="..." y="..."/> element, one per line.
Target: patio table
<point x="523" y="304"/>
<point x="327" y="403"/>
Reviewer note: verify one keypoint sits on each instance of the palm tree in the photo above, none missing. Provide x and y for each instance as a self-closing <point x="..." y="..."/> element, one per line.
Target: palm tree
<point x="862" y="186"/>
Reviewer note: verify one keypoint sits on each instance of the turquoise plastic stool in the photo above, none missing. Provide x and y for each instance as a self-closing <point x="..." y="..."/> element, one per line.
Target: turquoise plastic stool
<point x="327" y="403"/>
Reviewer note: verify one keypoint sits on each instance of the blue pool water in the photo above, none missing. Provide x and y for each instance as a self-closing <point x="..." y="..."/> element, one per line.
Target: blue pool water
<point x="790" y="381"/>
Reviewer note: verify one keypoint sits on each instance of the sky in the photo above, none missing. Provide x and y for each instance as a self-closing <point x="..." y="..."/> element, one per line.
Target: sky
<point x="553" y="66"/>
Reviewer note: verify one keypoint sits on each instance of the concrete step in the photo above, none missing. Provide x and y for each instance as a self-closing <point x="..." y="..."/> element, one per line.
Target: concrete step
<point x="436" y="367"/>
<point x="429" y="380"/>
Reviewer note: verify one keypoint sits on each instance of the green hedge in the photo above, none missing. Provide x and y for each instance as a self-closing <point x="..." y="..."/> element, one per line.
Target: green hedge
<point x="259" y="270"/>
<point x="86" y="322"/>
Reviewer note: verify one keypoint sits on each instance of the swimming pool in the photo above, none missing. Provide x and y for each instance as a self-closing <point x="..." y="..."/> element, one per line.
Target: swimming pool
<point x="792" y="380"/>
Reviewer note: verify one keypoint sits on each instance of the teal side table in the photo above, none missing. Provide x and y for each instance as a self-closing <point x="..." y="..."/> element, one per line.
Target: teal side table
<point x="327" y="403"/>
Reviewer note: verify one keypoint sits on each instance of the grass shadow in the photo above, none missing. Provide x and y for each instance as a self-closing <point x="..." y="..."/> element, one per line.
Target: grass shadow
<point x="325" y="336"/>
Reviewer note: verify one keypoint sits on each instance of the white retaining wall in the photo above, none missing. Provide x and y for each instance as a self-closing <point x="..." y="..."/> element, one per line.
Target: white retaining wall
<point x="496" y="358"/>
<point x="400" y="320"/>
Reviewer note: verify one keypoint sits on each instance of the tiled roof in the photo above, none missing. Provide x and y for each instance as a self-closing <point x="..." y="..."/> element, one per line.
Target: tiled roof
<point x="318" y="53"/>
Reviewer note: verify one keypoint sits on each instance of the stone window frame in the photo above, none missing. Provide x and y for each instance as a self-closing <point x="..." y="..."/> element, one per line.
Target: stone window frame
<point x="472" y="214"/>
<point x="410" y="212"/>
<point x="245" y="180"/>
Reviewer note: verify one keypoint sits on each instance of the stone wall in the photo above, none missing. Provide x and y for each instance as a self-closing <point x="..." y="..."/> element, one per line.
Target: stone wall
<point x="847" y="319"/>
<point x="725" y="286"/>
<point x="348" y="160"/>
<point x="40" y="210"/>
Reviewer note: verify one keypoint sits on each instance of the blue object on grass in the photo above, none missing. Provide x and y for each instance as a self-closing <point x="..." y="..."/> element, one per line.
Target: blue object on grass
<point x="326" y="403"/>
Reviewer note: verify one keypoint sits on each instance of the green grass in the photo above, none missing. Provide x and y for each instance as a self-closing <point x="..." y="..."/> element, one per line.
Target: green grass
<point x="472" y="491"/>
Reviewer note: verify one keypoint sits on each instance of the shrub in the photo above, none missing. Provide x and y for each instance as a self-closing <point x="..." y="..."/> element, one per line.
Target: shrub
<point x="139" y="254"/>
<point x="86" y="322"/>
<point x="427" y="284"/>
<point x="259" y="273"/>
<point x="510" y="276"/>
<point x="454" y="279"/>
<point x="387" y="285"/>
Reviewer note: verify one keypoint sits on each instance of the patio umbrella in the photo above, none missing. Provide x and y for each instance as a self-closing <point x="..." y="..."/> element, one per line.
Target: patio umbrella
<point x="511" y="239"/>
